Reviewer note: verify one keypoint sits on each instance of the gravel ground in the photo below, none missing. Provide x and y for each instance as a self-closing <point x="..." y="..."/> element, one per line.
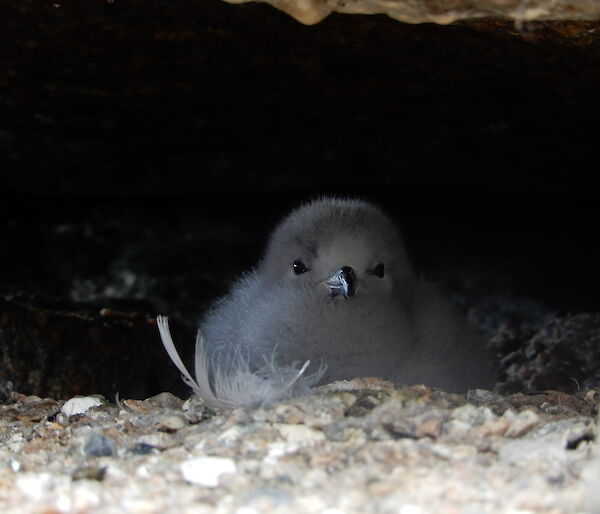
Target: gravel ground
<point x="358" y="446"/>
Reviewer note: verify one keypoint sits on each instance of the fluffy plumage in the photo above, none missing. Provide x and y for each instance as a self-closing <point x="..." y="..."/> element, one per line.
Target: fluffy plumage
<point x="335" y="288"/>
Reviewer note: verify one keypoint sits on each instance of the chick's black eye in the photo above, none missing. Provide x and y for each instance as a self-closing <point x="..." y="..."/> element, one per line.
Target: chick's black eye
<point x="299" y="267"/>
<point x="379" y="270"/>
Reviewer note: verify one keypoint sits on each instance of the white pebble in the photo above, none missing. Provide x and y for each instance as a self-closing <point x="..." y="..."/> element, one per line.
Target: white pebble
<point x="207" y="470"/>
<point x="411" y="509"/>
<point x="79" y="405"/>
<point x="64" y="503"/>
<point x="34" y="485"/>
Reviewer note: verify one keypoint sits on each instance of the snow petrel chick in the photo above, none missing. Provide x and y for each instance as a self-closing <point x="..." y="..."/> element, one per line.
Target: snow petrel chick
<point x="334" y="288"/>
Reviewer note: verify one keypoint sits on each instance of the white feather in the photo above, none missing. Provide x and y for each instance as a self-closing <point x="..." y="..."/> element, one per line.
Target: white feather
<point x="239" y="385"/>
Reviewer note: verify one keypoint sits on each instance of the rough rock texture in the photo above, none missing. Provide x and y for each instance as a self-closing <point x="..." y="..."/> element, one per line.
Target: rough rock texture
<point x="360" y="446"/>
<point x="563" y="354"/>
<point x="49" y="351"/>
<point x="441" y="11"/>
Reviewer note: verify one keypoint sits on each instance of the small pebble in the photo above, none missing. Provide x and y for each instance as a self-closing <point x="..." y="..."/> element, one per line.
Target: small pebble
<point x="195" y="409"/>
<point x="142" y="449"/>
<point x="523" y="423"/>
<point x="159" y="440"/>
<point x="166" y="401"/>
<point x="98" y="445"/>
<point x="207" y="470"/>
<point x="62" y="419"/>
<point x="6" y="390"/>
<point x="79" y="405"/>
<point x="89" y="473"/>
<point x="172" y="423"/>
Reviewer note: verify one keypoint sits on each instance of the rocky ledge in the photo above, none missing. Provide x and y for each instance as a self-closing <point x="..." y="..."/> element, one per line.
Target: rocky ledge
<point x="441" y="11"/>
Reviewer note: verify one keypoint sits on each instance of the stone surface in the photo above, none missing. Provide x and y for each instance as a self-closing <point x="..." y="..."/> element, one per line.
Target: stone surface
<point x="206" y="470"/>
<point x="442" y="11"/>
<point x="563" y="354"/>
<point x="62" y="350"/>
<point x="98" y="445"/>
<point x="79" y="405"/>
<point x="355" y="446"/>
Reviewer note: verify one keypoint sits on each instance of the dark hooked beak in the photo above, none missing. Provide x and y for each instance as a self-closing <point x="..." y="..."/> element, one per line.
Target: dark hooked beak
<point x="342" y="281"/>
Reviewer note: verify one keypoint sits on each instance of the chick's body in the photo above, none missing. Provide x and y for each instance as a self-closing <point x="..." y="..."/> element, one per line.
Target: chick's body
<point x="336" y="287"/>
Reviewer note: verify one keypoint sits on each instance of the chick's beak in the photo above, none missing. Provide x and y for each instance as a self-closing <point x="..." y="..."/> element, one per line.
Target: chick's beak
<point x="342" y="282"/>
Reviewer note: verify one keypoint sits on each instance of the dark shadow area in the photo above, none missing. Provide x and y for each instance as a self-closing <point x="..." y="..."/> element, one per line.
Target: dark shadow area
<point x="147" y="149"/>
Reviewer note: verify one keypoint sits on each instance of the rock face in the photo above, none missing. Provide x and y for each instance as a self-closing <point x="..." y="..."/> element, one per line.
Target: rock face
<point x="563" y="354"/>
<point x="52" y="352"/>
<point x="441" y="11"/>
